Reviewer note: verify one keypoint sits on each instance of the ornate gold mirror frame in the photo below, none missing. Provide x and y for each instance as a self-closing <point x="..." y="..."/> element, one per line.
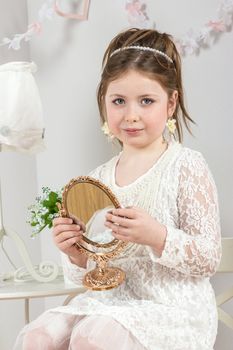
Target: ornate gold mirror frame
<point x="82" y="198"/>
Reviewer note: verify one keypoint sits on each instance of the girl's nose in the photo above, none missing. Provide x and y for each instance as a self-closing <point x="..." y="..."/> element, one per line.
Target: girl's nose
<point x="131" y="119"/>
<point x="131" y="115"/>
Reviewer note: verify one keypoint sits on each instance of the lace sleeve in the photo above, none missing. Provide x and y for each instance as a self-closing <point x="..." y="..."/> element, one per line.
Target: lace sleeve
<point x="72" y="273"/>
<point x="194" y="248"/>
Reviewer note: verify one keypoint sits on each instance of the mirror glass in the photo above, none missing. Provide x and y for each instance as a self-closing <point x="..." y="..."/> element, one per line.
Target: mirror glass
<point x="89" y="202"/>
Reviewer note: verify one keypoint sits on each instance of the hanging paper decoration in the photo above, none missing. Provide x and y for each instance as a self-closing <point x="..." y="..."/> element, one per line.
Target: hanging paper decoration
<point x="192" y="42"/>
<point x="46" y="12"/>
<point x="136" y="14"/>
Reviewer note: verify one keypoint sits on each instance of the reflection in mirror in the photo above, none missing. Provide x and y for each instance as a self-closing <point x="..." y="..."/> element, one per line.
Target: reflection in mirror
<point x="95" y="228"/>
<point x="87" y="203"/>
<point x="90" y="200"/>
<point x="87" y="200"/>
<point x="91" y="207"/>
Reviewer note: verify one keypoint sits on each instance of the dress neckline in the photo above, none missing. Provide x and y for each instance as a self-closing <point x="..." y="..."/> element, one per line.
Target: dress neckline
<point x="141" y="177"/>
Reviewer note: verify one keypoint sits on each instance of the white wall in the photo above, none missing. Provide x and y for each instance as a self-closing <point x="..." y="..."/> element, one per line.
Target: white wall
<point x="69" y="55"/>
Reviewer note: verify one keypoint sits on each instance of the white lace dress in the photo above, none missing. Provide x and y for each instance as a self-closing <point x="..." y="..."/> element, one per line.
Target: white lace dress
<point x="167" y="302"/>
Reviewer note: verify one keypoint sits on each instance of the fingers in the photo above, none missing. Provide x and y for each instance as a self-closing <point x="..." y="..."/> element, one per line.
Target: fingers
<point x="125" y="223"/>
<point x="78" y="222"/>
<point x="118" y="220"/>
<point x="61" y="224"/>
<point x="68" y="243"/>
<point x="66" y="233"/>
<point x="71" y="220"/>
<point x="60" y="220"/>
<point x="58" y="229"/>
<point x="65" y="240"/>
<point x="129" y="212"/>
<point x="123" y="216"/>
<point x="63" y="236"/>
<point x="119" y="232"/>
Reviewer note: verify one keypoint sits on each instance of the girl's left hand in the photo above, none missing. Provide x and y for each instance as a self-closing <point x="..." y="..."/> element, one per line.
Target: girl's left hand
<point x="136" y="225"/>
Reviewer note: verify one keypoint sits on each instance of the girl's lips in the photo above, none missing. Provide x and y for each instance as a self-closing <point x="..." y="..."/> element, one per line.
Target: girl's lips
<point x="132" y="130"/>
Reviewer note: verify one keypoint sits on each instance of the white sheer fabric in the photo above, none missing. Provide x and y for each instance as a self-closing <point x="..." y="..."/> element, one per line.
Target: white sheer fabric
<point x="102" y="333"/>
<point x="21" y="116"/>
<point x="166" y="302"/>
<point x="57" y="331"/>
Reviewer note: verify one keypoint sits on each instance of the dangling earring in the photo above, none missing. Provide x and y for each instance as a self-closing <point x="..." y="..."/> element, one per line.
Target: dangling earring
<point x="107" y="132"/>
<point x="170" y="129"/>
<point x="171" y="125"/>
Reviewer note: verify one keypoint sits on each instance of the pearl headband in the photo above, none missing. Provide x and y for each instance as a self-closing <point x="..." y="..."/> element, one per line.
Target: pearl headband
<point x="142" y="48"/>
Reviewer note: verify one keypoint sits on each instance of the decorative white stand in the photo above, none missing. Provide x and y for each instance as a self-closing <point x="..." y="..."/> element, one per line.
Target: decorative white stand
<point x="46" y="271"/>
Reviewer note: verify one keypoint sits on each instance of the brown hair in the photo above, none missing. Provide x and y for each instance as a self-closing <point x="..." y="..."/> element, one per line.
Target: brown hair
<point x="154" y="65"/>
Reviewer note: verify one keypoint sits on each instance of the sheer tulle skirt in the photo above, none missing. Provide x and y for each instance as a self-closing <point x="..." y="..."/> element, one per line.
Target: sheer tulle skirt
<point x="60" y="331"/>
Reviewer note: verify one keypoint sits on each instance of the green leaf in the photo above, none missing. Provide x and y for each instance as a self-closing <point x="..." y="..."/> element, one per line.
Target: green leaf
<point x="34" y="223"/>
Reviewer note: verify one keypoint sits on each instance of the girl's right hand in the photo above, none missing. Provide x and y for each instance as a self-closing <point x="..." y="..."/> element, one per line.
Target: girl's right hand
<point x="66" y="233"/>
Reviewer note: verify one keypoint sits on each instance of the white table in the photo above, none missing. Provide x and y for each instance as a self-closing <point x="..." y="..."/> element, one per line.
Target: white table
<point x="32" y="289"/>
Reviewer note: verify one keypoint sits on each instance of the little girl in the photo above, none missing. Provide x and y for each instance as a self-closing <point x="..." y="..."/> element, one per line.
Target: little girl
<point x="169" y="216"/>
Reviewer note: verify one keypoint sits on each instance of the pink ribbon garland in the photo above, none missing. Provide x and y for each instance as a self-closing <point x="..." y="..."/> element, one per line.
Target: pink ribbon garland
<point x="190" y="43"/>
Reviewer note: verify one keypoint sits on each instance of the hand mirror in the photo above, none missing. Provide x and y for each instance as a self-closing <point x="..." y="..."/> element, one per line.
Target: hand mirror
<point x="87" y="200"/>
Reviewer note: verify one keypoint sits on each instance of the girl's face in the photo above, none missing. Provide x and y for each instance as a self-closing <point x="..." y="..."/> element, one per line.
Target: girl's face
<point x="137" y="109"/>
